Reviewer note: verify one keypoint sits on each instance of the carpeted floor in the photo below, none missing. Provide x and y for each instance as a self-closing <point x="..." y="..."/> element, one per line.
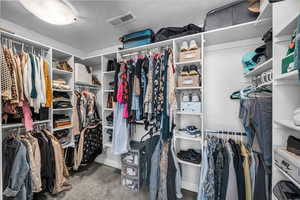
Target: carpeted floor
<point x="100" y="182"/>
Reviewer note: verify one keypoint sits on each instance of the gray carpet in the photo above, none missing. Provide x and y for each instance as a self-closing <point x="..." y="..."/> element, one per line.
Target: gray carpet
<point x="100" y="182"/>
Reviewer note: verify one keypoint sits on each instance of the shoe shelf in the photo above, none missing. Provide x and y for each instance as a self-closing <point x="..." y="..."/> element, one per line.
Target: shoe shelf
<point x="182" y="135"/>
<point x="63" y="128"/>
<point x="62" y="109"/>
<point x="288" y="124"/>
<point x="61" y="72"/>
<point x="189" y="62"/>
<point x="90" y="86"/>
<point x="287" y="176"/>
<point x="188" y="163"/>
<point x="260" y="68"/>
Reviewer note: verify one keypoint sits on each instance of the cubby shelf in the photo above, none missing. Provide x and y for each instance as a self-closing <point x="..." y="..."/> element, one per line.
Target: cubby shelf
<point x="188" y="163"/>
<point x="189" y="62"/>
<point x="288" y="76"/>
<point x="61" y="90"/>
<point x="182" y="135"/>
<point x="188" y="113"/>
<point x="61" y="72"/>
<point x="289" y="27"/>
<point x="62" y="109"/>
<point x="288" y="176"/>
<point x="188" y="88"/>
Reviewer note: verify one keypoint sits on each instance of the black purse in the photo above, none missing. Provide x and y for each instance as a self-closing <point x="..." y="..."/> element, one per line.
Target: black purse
<point x="286" y="190"/>
<point x="274" y="1"/>
<point x="293" y="145"/>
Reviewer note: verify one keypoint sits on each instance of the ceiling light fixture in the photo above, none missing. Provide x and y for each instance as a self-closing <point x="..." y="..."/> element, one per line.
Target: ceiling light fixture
<point x="58" y="12"/>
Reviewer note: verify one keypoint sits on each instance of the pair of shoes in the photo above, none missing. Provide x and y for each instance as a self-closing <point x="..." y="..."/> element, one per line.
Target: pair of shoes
<point x="189" y="70"/>
<point x="192" y="130"/>
<point x="194" y="97"/>
<point x="64" y="65"/>
<point x="190" y="155"/>
<point x="254" y="6"/>
<point x="185" y="47"/>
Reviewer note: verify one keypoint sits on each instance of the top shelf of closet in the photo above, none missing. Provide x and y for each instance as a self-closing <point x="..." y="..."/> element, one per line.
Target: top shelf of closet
<point x="90" y="61"/>
<point x="260" y="68"/>
<point x="147" y="47"/>
<point x="61" y="72"/>
<point x="58" y="55"/>
<point x="250" y="30"/>
<point x="289" y="27"/>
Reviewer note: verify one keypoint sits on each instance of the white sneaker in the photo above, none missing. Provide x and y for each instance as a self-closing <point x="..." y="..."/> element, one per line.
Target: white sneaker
<point x="184" y="46"/>
<point x="195" y="98"/>
<point x="193" y="45"/>
<point x="185" y="98"/>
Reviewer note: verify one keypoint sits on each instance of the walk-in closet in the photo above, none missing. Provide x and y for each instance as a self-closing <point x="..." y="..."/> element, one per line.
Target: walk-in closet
<point x="158" y="100"/>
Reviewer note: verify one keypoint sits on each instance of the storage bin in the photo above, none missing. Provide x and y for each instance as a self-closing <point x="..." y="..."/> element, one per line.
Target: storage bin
<point x="190" y="55"/>
<point x="83" y="74"/>
<point x="189" y="81"/>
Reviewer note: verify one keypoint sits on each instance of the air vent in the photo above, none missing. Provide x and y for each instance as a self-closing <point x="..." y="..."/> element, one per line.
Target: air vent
<point x="122" y="19"/>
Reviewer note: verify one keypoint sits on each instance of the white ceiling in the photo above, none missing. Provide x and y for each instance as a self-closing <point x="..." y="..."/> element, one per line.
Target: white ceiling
<point x="92" y="32"/>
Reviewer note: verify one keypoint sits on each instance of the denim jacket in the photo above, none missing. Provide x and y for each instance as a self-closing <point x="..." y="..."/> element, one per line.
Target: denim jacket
<point x="19" y="175"/>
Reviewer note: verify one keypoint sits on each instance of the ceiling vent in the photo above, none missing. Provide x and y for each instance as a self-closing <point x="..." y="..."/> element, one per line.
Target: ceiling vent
<point x="122" y="19"/>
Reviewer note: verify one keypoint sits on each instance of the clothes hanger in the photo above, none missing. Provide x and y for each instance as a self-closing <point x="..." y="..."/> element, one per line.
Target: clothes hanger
<point x="150" y="132"/>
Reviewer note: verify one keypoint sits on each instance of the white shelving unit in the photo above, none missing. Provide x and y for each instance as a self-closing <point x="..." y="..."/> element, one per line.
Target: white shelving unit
<point x="286" y="90"/>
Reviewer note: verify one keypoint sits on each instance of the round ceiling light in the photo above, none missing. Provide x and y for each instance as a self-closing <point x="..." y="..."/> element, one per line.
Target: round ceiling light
<point x="58" y="12"/>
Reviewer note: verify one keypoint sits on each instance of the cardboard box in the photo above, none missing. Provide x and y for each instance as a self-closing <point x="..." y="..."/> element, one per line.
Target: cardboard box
<point x="190" y="55"/>
<point x="189" y="81"/>
<point x="190" y="107"/>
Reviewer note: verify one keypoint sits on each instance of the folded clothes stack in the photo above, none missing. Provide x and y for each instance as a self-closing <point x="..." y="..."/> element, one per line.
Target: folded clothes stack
<point x="60" y="84"/>
<point x="61" y="120"/>
<point x="61" y="100"/>
<point x="190" y="155"/>
<point x="63" y="65"/>
<point x="63" y="137"/>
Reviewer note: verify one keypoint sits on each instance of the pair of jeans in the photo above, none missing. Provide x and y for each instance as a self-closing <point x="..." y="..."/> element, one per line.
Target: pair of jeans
<point x="155" y="173"/>
<point x="262" y="123"/>
<point x="207" y="182"/>
<point x="244" y="115"/>
<point x="260" y="181"/>
<point x="219" y="170"/>
<point x="121" y="133"/>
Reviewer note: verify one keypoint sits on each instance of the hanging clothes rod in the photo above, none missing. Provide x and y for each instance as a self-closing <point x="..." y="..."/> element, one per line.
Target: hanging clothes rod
<point x="22" y="42"/>
<point x="6" y="126"/>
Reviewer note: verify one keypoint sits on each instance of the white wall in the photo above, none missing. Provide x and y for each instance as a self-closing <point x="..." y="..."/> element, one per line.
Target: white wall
<point x="22" y="31"/>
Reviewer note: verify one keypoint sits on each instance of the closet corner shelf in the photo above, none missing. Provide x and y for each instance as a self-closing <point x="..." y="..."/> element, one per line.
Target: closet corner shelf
<point x="289" y="27"/>
<point x="260" y="68"/>
<point x="63" y="128"/>
<point x="188" y="113"/>
<point x="63" y="109"/>
<point x="288" y="76"/>
<point x="61" y="90"/>
<point x="182" y="135"/>
<point x="288" y="124"/>
<point x="288" y="176"/>
<point x="21" y="124"/>
<point x="108" y="91"/>
<point x="189" y="62"/>
<point x="188" y="163"/>
<point x="109" y="127"/>
<point x="188" y="88"/>
<point x="61" y="72"/>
